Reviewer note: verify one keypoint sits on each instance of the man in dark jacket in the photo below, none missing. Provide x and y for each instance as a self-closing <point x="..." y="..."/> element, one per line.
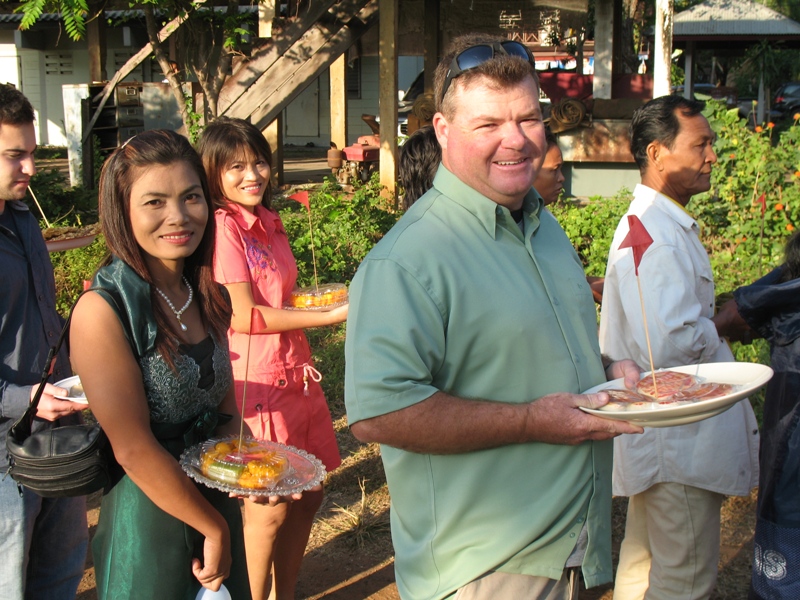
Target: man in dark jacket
<point x="42" y="540"/>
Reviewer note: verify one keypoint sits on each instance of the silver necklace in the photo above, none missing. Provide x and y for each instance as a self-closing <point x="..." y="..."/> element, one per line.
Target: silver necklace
<point x="180" y="312"/>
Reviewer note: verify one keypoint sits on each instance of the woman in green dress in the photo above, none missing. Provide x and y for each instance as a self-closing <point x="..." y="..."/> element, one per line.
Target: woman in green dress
<point x="149" y="343"/>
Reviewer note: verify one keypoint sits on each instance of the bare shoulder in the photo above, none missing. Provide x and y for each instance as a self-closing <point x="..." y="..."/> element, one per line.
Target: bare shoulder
<point x="94" y="314"/>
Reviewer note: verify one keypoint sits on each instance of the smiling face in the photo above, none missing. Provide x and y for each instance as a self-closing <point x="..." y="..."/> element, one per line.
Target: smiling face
<point x="495" y="141"/>
<point x="685" y="169"/>
<point x="549" y="182"/>
<point x="245" y="180"/>
<point x="17" y="144"/>
<point x="168" y="213"/>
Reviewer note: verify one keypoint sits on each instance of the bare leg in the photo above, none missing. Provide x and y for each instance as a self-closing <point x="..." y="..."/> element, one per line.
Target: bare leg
<point x="291" y="545"/>
<point x="261" y="525"/>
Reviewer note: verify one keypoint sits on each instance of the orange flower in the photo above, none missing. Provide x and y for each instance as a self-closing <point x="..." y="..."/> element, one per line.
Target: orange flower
<point x="796" y="116"/>
<point x="770" y="124"/>
<point x="759" y="129"/>
<point x="789" y="227"/>
<point x="779" y="206"/>
<point x="797" y="173"/>
<point x="732" y="156"/>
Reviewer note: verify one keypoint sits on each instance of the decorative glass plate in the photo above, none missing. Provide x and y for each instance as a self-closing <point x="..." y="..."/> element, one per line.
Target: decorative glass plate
<point x="320" y="298"/>
<point x="303" y="472"/>
<point x="747" y="377"/>
<point x="74" y="395"/>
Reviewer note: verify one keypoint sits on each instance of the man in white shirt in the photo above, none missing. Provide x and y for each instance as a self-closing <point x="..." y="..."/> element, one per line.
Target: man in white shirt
<point x="676" y="477"/>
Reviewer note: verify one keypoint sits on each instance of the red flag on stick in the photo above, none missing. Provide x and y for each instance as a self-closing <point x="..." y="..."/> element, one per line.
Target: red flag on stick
<point x="637" y="240"/>
<point x="762" y="200"/>
<point x="257" y="322"/>
<point x="302" y="198"/>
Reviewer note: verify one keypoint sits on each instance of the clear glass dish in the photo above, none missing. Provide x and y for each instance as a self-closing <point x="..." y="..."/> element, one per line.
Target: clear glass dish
<point x="321" y="298"/>
<point x="302" y="472"/>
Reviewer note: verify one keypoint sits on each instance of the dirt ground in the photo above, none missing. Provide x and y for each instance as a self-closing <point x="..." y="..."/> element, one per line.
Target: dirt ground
<point x="349" y="556"/>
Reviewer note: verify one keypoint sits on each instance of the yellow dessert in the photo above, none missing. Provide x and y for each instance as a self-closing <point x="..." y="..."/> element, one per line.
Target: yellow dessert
<point x="252" y="467"/>
<point x="324" y="296"/>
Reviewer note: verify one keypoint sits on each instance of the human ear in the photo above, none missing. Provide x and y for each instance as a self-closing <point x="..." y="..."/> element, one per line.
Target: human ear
<point x="654" y="154"/>
<point x="441" y="127"/>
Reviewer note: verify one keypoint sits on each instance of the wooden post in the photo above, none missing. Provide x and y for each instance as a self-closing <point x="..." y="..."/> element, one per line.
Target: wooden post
<point x="387" y="95"/>
<point x="274" y="134"/>
<point x="266" y="14"/>
<point x="688" y="82"/>
<point x="338" y="78"/>
<point x="96" y="43"/>
<point x="430" y="37"/>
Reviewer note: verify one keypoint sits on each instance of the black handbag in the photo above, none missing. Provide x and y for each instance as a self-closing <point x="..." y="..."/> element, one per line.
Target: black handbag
<point x="73" y="460"/>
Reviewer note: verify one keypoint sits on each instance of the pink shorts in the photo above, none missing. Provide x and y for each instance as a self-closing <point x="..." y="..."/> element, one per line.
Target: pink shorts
<point x="281" y="411"/>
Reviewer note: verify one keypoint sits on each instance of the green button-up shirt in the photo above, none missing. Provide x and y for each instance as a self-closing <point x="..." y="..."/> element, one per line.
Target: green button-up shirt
<point x="458" y="298"/>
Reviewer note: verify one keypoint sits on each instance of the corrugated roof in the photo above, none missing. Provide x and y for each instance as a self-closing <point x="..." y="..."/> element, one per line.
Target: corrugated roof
<point x="113" y="15"/>
<point x="733" y="18"/>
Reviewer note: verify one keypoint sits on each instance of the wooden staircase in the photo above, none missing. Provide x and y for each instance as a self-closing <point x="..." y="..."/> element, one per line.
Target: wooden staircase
<point x="262" y="86"/>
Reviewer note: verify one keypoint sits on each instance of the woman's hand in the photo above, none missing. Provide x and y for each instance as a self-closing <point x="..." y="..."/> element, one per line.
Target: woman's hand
<point x="275" y="500"/>
<point x="216" y="565"/>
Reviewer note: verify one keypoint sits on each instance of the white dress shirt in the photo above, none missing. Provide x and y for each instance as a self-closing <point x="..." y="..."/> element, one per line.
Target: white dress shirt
<point x="719" y="454"/>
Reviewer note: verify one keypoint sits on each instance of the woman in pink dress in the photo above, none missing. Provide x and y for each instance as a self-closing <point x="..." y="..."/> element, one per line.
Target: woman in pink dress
<point x="285" y="402"/>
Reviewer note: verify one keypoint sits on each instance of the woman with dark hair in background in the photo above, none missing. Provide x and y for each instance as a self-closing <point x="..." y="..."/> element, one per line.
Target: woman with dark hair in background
<point x="149" y="343"/>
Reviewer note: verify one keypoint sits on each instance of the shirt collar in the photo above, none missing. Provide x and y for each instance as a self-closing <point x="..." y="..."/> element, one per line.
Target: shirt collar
<point x="18" y="205"/>
<point x="674" y="209"/>
<point x="267" y="219"/>
<point x="487" y="211"/>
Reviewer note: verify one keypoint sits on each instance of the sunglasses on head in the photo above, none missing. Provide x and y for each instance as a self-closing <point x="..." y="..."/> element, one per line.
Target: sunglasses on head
<point x="474" y="56"/>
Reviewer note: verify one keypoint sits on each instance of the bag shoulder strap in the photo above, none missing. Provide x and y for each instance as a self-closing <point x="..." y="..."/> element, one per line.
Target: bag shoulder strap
<point x="23" y="427"/>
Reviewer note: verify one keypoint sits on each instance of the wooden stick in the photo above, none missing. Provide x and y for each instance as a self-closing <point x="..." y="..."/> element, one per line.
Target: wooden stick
<point x="313" y="256"/>
<point x="35" y="199"/>
<point x="244" y="388"/>
<point x="647" y="337"/>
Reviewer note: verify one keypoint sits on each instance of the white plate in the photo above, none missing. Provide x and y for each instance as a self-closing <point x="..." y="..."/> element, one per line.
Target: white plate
<point x="67" y="384"/>
<point x="747" y="377"/>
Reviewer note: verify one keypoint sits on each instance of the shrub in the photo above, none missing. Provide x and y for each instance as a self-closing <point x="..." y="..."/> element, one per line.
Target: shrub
<point x="591" y="227"/>
<point x="345" y="228"/>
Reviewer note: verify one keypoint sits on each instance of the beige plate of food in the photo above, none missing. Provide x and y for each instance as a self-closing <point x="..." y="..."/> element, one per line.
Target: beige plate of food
<point x="73" y="384"/>
<point x="58" y="239"/>
<point x="741" y="379"/>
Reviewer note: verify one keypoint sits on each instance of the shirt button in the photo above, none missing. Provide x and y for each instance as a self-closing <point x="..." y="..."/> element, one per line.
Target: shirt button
<point x="269" y="246"/>
<point x="281" y="382"/>
<point x="39" y="298"/>
<point x="49" y="334"/>
<point x="580" y="520"/>
<point x="572" y="535"/>
<point x="259" y="407"/>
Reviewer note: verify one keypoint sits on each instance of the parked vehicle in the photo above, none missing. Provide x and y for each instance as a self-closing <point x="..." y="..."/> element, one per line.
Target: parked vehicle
<point x="787" y="98"/>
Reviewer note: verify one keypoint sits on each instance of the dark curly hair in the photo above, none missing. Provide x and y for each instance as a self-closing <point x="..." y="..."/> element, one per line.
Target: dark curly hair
<point x="15" y="108"/>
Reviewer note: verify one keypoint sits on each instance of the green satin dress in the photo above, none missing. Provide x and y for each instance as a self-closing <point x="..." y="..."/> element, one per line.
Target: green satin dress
<point x="140" y="552"/>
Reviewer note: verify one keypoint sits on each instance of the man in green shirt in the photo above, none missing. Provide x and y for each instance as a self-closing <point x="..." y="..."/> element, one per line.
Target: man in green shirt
<point x="471" y="334"/>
